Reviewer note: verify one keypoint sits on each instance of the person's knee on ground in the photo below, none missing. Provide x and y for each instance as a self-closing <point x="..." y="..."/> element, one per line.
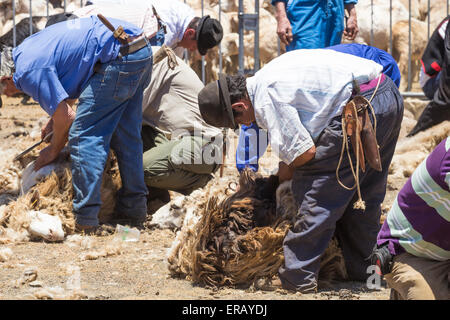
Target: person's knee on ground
<point x="408" y="283"/>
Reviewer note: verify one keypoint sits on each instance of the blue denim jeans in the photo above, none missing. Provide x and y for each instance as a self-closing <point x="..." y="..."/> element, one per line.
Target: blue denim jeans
<point x="326" y="208"/>
<point x="158" y="39"/>
<point x="109" y="115"/>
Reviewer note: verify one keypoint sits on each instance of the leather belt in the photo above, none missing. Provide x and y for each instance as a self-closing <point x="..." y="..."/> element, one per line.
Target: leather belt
<point x="134" y="46"/>
<point x="129" y="44"/>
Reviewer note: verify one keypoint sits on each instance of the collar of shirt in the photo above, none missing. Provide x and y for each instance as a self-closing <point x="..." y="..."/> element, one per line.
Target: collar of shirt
<point x="177" y="16"/>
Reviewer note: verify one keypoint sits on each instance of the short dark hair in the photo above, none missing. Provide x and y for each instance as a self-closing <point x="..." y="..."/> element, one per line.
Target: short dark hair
<point x="237" y="86"/>
<point x="194" y="23"/>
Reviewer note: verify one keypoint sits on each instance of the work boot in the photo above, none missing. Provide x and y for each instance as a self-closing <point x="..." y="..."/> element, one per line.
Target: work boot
<point x="157" y="193"/>
<point x="100" y="230"/>
<point x="123" y="220"/>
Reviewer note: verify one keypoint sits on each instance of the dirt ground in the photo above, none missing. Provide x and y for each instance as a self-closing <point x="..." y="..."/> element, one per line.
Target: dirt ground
<point x="130" y="270"/>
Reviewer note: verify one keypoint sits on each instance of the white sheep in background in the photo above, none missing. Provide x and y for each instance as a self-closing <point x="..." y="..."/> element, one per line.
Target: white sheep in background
<point x="438" y="11"/>
<point x="381" y="21"/>
<point x="400" y="52"/>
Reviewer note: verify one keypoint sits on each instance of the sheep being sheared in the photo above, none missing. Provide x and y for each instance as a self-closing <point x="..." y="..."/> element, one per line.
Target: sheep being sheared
<point x="238" y="240"/>
<point x="45" y="211"/>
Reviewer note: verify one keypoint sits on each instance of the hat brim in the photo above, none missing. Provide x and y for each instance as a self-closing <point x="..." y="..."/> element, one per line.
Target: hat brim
<point x="223" y="89"/>
<point x="201" y="23"/>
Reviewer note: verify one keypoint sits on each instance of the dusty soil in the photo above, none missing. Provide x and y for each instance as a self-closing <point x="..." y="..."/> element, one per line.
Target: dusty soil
<point x="133" y="270"/>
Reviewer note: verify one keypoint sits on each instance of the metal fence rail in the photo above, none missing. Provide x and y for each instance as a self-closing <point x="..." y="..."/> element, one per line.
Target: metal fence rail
<point x="250" y="22"/>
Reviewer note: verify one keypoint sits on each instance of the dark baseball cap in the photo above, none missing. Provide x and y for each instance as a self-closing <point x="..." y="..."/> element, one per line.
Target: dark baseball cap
<point x="209" y="33"/>
<point x="215" y="104"/>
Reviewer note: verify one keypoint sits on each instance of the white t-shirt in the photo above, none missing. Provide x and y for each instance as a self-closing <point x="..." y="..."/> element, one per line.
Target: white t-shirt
<point x="174" y="13"/>
<point x="141" y="17"/>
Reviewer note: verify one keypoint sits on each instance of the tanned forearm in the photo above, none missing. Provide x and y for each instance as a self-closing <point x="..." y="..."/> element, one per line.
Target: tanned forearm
<point x="285" y="172"/>
<point x="351" y="28"/>
<point x="284" y="28"/>
<point x="61" y="121"/>
<point x="280" y="10"/>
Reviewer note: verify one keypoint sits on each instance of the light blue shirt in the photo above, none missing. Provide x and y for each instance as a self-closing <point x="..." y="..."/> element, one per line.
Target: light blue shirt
<point x="56" y="63"/>
<point x="296" y="95"/>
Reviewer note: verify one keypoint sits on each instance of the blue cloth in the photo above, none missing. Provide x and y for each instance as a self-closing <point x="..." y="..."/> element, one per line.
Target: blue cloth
<point x="56" y="63"/>
<point x="315" y="24"/>
<point x="326" y="209"/>
<point x="248" y="154"/>
<point x="158" y="39"/>
<point x="390" y="67"/>
<point x="431" y="86"/>
<point x="109" y="115"/>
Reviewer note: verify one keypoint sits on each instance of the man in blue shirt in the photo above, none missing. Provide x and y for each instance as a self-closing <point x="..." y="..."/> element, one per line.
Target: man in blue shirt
<point x="305" y="24"/>
<point x="81" y="59"/>
<point x="253" y="141"/>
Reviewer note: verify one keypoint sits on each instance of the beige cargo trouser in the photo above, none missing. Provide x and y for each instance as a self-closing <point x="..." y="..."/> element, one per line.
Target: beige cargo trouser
<point x="175" y="165"/>
<point x="415" y="278"/>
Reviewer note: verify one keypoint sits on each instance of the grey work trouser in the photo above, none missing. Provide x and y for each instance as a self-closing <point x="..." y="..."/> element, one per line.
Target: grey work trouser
<point x="175" y="165"/>
<point x="327" y="208"/>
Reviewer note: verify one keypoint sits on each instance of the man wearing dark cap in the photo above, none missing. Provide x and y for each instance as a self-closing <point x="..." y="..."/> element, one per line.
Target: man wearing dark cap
<point x="300" y="99"/>
<point x="180" y="28"/>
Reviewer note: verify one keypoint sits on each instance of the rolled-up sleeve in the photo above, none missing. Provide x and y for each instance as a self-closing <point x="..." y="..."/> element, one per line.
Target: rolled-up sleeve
<point x="287" y="136"/>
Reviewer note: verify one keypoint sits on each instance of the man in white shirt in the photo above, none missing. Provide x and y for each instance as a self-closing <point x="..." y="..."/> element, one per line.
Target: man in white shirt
<point x="299" y="99"/>
<point x="180" y="29"/>
<point x="181" y="151"/>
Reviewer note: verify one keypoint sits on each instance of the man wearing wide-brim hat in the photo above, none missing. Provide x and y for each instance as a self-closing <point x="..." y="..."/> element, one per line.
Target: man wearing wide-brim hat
<point x="299" y="99"/>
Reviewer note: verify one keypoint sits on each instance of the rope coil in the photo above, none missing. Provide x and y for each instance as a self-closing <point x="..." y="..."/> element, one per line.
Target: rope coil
<point x="359" y="204"/>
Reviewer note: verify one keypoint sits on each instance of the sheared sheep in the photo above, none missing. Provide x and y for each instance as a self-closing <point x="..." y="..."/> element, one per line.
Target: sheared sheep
<point x="41" y="209"/>
<point x="238" y="240"/>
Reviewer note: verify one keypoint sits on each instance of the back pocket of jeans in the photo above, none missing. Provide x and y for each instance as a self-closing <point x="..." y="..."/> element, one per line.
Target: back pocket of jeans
<point x="126" y="85"/>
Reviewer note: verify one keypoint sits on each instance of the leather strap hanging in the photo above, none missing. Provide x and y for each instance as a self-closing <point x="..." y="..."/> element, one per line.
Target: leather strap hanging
<point x="356" y="124"/>
<point x="119" y="33"/>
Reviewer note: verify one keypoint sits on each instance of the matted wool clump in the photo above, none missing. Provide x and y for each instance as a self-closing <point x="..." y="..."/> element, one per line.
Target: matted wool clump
<point x="238" y="240"/>
<point x="53" y="196"/>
